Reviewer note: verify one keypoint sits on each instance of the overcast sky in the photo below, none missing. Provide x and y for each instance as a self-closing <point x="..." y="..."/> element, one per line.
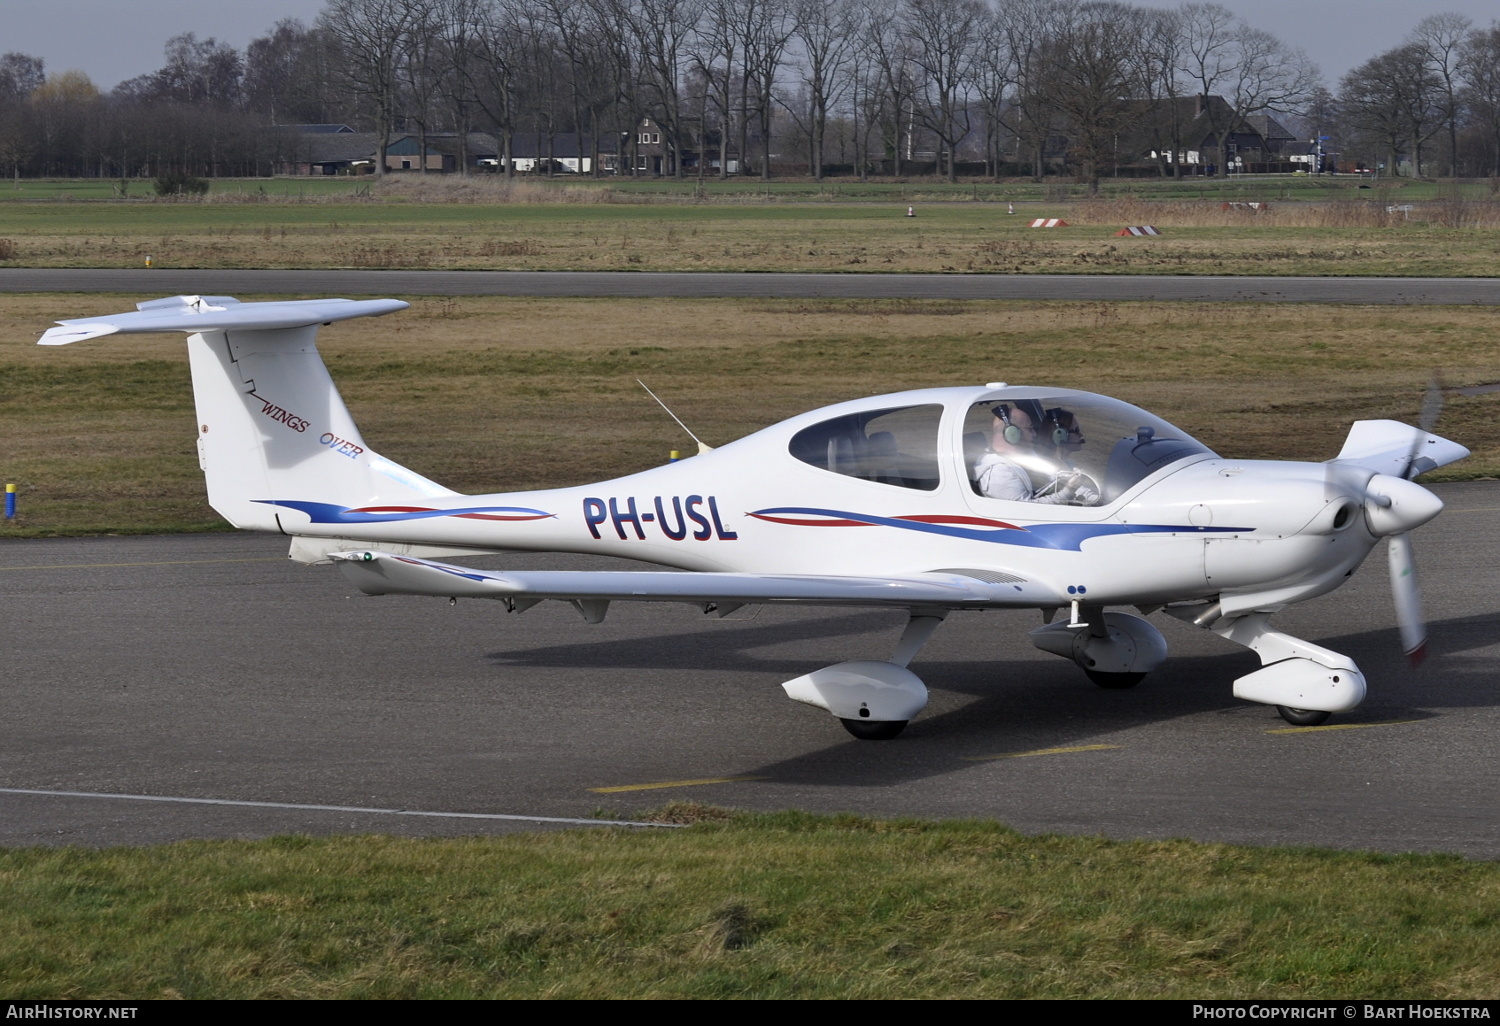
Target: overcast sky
<point x="112" y="40"/>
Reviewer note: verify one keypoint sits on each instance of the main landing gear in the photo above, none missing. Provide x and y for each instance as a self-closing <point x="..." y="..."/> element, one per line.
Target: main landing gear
<point x="874" y="700"/>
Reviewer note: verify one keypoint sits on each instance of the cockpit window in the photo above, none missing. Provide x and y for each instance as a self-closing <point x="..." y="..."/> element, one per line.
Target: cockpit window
<point x="894" y="447"/>
<point x="1090" y="445"/>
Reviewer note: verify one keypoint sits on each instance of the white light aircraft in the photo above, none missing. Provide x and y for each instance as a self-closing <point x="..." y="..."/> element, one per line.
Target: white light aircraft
<point x="875" y="502"/>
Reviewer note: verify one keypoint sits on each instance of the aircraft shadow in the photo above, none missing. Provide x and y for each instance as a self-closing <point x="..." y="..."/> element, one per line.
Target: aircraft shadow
<point x="1026" y="704"/>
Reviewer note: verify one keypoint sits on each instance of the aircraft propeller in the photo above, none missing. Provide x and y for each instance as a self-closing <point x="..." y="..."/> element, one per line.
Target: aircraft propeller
<point x="1404" y="591"/>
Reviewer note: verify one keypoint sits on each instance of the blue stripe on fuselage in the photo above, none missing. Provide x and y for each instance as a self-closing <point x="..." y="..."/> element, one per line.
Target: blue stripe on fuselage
<point x="1038" y="536"/>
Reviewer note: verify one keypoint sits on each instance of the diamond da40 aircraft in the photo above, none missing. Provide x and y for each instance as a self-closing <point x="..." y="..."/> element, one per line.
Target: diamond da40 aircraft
<point x="888" y="501"/>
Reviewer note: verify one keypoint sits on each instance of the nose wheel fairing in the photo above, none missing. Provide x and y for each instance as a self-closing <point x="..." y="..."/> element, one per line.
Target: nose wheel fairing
<point x="1294" y="674"/>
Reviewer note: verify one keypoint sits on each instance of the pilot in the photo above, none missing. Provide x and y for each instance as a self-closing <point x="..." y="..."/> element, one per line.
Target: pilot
<point x="1000" y="472"/>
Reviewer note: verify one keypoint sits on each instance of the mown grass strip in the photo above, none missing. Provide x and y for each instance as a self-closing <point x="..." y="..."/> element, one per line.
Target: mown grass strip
<point x="786" y="905"/>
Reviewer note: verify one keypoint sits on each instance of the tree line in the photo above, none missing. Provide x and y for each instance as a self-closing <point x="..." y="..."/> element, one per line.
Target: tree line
<point x="991" y="87"/>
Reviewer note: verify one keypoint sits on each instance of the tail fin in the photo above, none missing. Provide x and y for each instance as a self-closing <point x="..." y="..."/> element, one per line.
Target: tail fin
<point x="272" y="428"/>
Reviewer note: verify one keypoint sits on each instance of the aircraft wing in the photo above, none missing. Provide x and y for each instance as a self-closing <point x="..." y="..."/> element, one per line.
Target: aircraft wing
<point x="1390" y="447"/>
<point x="380" y="573"/>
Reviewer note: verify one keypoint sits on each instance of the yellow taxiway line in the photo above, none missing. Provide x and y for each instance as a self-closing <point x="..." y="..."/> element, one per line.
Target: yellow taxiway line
<point x="1038" y="751"/>
<point x="670" y="783"/>
<point x="1339" y="726"/>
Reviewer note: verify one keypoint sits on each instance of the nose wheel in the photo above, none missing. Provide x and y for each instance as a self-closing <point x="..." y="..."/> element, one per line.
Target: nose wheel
<point x="874" y="730"/>
<point x="1115" y="681"/>
<point x="1303" y="717"/>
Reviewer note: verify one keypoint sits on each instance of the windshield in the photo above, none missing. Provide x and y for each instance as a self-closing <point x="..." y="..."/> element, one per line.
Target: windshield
<point x="1055" y="437"/>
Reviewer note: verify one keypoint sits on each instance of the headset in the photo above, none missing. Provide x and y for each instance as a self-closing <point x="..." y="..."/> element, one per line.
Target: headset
<point x="1012" y="433"/>
<point x="1055" y="417"/>
<point x="1038" y="416"/>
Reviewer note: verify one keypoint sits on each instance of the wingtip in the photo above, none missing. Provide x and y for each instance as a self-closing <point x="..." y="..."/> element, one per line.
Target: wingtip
<point x="70" y="333"/>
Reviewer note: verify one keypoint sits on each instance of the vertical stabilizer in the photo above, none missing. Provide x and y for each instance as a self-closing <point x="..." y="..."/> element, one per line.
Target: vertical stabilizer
<point x="272" y="428"/>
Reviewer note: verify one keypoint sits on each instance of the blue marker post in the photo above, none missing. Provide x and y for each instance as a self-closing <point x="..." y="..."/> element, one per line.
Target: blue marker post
<point x="10" y="502"/>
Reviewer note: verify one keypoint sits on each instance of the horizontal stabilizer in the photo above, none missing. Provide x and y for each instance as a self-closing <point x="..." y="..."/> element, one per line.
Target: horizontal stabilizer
<point x="1390" y="447"/>
<point x="380" y="573"/>
<point x="195" y="314"/>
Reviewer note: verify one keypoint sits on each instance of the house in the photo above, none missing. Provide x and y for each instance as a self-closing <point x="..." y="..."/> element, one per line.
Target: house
<point x="1250" y="143"/>
<point x="650" y="152"/>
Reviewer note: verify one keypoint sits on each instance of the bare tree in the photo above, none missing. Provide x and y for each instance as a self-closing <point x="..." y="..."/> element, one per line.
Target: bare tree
<point x="946" y="34"/>
<point x="458" y="27"/>
<point x="20" y="75"/>
<point x="288" y="79"/>
<point x="765" y="30"/>
<point x="822" y="30"/>
<point x="994" y="75"/>
<point x="1160" y="86"/>
<point x="1031" y="116"/>
<point x="420" y="61"/>
<point x="1090" y="60"/>
<point x="888" y="52"/>
<point x="715" y="51"/>
<point x="369" y="35"/>
<point x="498" y="40"/>
<point x="1393" y="98"/>
<point x="1479" y="65"/>
<point x="1440" y="37"/>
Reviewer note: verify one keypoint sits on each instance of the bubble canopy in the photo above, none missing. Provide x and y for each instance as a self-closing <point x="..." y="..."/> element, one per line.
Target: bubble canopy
<point x="1114" y="443"/>
<point x="1061" y="433"/>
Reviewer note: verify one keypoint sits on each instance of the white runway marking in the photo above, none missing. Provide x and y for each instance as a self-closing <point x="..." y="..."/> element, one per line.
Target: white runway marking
<point x="339" y="808"/>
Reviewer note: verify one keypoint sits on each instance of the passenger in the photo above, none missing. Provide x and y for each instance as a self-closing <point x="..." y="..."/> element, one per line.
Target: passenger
<point x="1063" y="434"/>
<point x="1000" y="471"/>
<point x="1061" y="438"/>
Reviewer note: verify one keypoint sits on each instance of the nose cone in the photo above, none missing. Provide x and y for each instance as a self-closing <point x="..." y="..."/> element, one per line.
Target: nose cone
<point x="1395" y="506"/>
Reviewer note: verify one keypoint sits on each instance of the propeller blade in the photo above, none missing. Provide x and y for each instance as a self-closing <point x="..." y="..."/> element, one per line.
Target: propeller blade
<point x="1432" y="407"/>
<point x="1407" y="600"/>
<point x="1432" y="403"/>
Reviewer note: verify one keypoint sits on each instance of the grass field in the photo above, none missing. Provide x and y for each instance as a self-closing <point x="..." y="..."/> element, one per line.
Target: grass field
<point x="488" y="224"/>
<point x="486" y="394"/>
<point x="782" y="905"/>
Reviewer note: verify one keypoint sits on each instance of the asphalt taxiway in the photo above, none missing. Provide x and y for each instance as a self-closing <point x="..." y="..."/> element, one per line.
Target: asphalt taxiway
<point x="1075" y="287"/>
<point x="259" y="697"/>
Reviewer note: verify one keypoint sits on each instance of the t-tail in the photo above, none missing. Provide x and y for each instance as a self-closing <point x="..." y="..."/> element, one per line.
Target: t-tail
<point x="273" y="431"/>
